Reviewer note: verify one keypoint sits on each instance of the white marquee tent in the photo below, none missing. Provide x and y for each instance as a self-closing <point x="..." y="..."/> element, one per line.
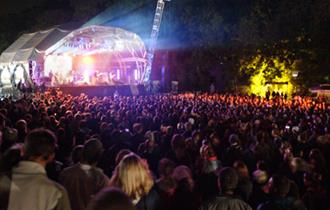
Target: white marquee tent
<point x="20" y="59"/>
<point x="32" y="46"/>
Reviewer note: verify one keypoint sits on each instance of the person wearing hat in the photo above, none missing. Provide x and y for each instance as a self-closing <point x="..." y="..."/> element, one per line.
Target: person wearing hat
<point x="227" y="182"/>
<point x="84" y="179"/>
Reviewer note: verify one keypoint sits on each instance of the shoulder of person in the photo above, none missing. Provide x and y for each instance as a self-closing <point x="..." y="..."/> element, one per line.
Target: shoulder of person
<point x="98" y="172"/>
<point x="52" y="188"/>
<point x="153" y="194"/>
<point x="58" y="187"/>
<point x="70" y="169"/>
<point x="5" y="181"/>
<point x="230" y="202"/>
<point x="270" y="205"/>
<point x="62" y="196"/>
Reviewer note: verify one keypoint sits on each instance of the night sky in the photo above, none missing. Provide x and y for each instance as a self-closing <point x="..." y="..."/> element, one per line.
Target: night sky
<point x="17" y="16"/>
<point x="16" y="6"/>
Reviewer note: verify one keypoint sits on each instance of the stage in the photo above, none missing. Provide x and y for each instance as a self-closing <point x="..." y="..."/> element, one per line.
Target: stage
<point x="104" y="90"/>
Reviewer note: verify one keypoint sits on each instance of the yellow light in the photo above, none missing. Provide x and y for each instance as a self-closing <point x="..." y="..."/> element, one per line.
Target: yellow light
<point x="257" y="85"/>
<point x="88" y="60"/>
<point x="262" y="80"/>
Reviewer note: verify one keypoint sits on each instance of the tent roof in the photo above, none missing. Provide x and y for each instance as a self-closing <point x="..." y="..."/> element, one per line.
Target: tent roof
<point x="136" y="17"/>
<point x="97" y="39"/>
<point x="32" y="45"/>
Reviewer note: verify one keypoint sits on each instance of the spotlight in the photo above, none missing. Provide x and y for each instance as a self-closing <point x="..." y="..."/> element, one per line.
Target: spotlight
<point x="295" y="74"/>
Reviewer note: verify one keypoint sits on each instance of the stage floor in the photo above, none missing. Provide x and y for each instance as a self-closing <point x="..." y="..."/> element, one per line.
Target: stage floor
<point x="99" y="91"/>
<point x="104" y="90"/>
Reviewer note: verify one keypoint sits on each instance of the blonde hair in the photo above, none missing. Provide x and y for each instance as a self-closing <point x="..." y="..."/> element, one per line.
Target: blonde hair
<point x="132" y="176"/>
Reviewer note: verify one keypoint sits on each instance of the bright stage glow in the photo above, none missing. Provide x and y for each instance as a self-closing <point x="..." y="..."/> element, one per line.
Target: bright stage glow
<point x="118" y="74"/>
<point x="19" y="74"/>
<point x="5" y="76"/>
<point x="136" y="74"/>
<point x="88" y="60"/>
<point x="110" y="50"/>
<point x="86" y="76"/>
<point x="58" y="68"/>
<point x="119" y="46"/>
<point x="14" y="73"/>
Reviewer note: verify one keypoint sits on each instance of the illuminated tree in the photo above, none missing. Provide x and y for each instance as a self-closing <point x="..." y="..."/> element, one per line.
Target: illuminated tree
<point x="268" y="73"/>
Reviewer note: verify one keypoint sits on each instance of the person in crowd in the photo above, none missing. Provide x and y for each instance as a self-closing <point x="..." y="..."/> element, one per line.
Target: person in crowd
<point x="185" y="196"/>
<point x="76" y="154"/>
<point x="227" y="181"/>
<point x="278" y="189"/>
<point x="244" y="187"/>
<point x="208" y="156"/>
<point x="138" y="136"/>
<point x="297" y="168"/>
<point x="111" y="198"/>
<point x="179" y="153"/>
<point x="166" y="182"/>
<point x="260" y="179"/>
<point x="8" y="133"/>
<point x="234" y="152"/>
<point x="22" y="130"/>
<point x="314" y="195"/>
<point x="133" y="177"/>
<point x="83" y="180"/>
<point x="27" y="185"/>
<point x="149" y="150"/>
<point x="11" y="158"/>
<point x="121" y="154"/>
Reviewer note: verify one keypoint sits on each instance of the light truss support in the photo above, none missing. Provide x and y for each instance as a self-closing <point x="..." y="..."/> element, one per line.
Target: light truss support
<point x="153" y="39"/>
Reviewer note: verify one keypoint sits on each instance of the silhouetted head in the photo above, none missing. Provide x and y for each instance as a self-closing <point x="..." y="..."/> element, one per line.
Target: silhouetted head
<point x="111" y="199"/>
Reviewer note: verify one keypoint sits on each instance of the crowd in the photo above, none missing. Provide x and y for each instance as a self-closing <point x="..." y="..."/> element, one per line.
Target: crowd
<point x="176" y="151"/>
